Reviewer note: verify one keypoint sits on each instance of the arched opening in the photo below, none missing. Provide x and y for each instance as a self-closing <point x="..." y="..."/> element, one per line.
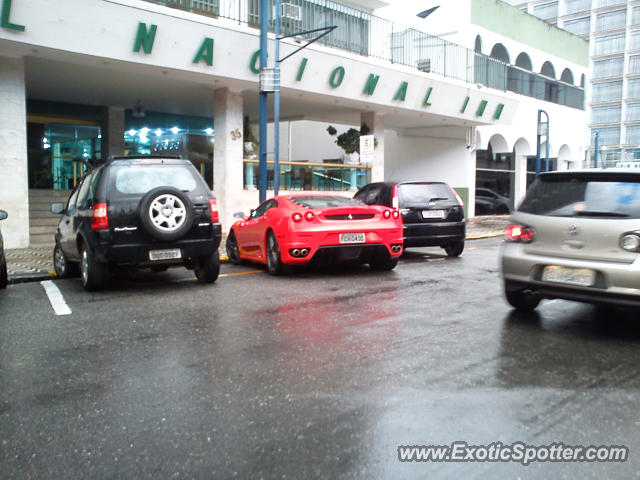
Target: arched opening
<point x="547" y="70"/>
<point x="567" y="76"/>
<point x="523" y="61"/>
<point x="582" y="80"/>
<point x="478" y="45"/>
<point x="499" y="52"/>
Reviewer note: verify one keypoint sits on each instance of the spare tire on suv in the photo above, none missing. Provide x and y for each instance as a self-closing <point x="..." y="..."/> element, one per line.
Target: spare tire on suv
<point x="166" y="213"/>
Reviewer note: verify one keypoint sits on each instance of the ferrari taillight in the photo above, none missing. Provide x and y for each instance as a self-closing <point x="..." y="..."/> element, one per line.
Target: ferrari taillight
<point x="213" y="206"/>
<point x="396" y="214"/>
<point x="99" y="216"/>
<point x="296" y="217"/>
<point x="309" y="216"/>
<point x="386" y="213"/>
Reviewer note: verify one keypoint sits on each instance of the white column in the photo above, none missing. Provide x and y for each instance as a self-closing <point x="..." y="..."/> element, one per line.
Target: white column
<point x="227" y="153"/>
<point x="14" y="192"/>
<point x="375" y="122"/>
<point x="520" y="188"/>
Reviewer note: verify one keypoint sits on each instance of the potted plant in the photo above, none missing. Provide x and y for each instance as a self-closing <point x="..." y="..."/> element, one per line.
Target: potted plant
<point x="250" y="141"/>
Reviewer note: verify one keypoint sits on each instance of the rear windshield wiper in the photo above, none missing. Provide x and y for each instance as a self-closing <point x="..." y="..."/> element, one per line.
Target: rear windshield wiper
<point x="437" y="199"/>
<point x="595" y="213"/>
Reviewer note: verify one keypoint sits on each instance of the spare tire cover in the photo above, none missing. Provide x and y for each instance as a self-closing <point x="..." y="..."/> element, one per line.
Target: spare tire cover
<point x="166" y="213"/>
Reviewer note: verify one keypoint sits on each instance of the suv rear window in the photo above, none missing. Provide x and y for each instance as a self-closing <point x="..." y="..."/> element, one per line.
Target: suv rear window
<point x="420" y="194"/>
<point x="139" y="179"/>
<point x="584" y="196"/>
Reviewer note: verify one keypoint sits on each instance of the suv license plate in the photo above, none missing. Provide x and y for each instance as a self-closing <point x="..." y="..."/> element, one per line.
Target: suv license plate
<point x="352" y="238"/>
<point x="432" y="213"/>
<point x="168" y="254"/>
<point x="584" y="277"/>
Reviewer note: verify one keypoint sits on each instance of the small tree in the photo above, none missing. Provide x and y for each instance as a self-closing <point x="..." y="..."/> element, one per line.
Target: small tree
<point x="349" y="141"/>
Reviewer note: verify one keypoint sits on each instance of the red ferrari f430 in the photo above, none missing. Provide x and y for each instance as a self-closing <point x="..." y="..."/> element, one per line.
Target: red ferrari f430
<point x="298" y="229"/>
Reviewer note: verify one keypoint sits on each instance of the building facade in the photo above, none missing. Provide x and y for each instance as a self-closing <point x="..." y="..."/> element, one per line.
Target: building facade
<point x="93" y="78"/>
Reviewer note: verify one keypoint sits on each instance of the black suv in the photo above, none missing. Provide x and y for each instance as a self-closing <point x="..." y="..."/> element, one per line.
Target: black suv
<point x="432" y="212"/>
<point x="138" y="211"/>
<point x="4" y="278"/>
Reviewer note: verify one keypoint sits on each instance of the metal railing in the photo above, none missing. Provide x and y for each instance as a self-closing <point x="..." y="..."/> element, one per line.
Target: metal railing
<point x="365" y="34"/>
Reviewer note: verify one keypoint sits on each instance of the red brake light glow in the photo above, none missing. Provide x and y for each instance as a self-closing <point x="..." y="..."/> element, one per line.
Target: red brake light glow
<point x="396" y="214"/>
<point x="213" y="206"/>
<point x="386" y="213"/>
<point x="309" y="216"/>
<point x="99" y="217"/>
<point x="518" y="233"/>
<point x="296" y="217"/>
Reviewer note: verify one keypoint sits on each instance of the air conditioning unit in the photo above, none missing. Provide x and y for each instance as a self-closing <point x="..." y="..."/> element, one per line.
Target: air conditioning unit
<point x="291" y="11"/>
<point x="424" y="65"/>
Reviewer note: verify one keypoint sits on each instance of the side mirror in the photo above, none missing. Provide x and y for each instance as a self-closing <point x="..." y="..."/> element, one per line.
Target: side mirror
<point x="238" y="215"/>
<point x="57" y="208"/>
<point x="3" y="215"/>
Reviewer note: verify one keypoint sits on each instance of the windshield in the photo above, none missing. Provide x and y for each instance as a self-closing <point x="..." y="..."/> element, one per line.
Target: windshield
<point x="583" y="197"/>
<point x="421" y="194"/>
<point x="138" y="179"/>
<point x="322" y="201"/>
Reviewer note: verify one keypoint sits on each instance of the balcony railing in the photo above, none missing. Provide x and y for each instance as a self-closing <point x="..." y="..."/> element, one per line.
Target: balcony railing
<point x="365" y="34"/>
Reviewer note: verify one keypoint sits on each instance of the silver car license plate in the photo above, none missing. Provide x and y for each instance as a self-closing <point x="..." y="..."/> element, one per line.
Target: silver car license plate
<point x="168" y="254"/>
<point x="432" y="213"/>
<point x="584" y="277"/>
<point x="352" y="238"/>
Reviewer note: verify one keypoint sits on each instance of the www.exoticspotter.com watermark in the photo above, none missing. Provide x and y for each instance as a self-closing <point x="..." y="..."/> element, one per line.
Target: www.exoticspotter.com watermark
<point x="515" y="452"/>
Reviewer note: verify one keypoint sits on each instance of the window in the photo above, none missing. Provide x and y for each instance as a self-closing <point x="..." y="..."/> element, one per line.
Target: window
<point x="137" y="179"/>
<point x="609" y="44"/>
<point x="575" y="6"/>
<point x="611" y="20"/>
<point x="635" y="15"/>
<point x="633" y="134"/>
<point x="606" y="3"/>
<point x="71" y="204"/>
<point x="325" y="201"/>
<point x="83" y="195"/>
<point x="545" y="11"/>
<point x="262" y="209"/>
<point x="577" y="26"/>
<point x="605" y="114"/>
<point x="634" y="64"/>
<point x="634" y="40"/>
<point x="633" y="88"/>
<point x="607" y="91"/>
<point x="611" y="67"/>
<point x="633" y="112"/>
<point x="607" y="136"/>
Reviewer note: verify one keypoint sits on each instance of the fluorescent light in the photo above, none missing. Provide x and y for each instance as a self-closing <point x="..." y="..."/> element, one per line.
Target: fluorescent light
<point x="132" y="132"/>
<point x="175" y="130"/>
<point x="209" y="131"/>
<point x="158" y="132"/>
<point x="144" y="131"/>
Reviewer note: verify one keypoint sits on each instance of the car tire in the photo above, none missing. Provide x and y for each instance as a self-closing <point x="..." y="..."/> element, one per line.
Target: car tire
<point x="4" y="276"/>
<point x="232" y="249"/>
<point x="63" y="267"/>
<point x="162" y="227"/>
<point x="382" y="262"/>
<point x="92" y="271"/>
<point x="274" y="259"/>
<point x="208" y="268"/>
<point x="522" y="301"/>
<point x="454" y="249"/>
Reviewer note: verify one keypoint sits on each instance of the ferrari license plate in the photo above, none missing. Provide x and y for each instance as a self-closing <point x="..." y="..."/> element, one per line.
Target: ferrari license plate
<point x="432" y="213"/>
<point x="352" y="238"/>
<point x="584" y="277"/>
<point x="168" y="254"/>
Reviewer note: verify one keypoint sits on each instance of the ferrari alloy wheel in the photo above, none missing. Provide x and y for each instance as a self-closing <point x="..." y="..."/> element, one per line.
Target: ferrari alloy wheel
<point x="274" y="261"/>
<point x="232" y="249"/>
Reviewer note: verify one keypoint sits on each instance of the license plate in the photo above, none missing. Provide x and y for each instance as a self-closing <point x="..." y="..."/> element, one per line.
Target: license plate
<point x="168" y="254"/>
<point x="432" y="213"/>
<point x="584" y="277"/>
<point x="352" y="238"/>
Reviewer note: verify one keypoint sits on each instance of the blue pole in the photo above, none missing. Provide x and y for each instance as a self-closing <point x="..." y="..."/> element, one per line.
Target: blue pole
<point x="276" y="106"/>
<point x="597" y="148"/>
<point x="538" y="144"/>
<point x="262" y="162"/>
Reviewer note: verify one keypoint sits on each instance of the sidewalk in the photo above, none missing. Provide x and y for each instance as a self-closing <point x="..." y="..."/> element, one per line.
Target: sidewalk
<point x="35" y="263"/>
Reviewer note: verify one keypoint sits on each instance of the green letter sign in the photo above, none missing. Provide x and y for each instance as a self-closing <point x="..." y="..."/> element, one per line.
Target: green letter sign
<point x="206" y="52"/>
<point x="337" y="75"/>
<point x="481" y="107"/>
<point x="145" y="38"/>
<point x="4" y="17"/>
<point x="254" y="60"/>
<point x="371" y="84"/>
<point x="426" y="103"/>
<point x="402" y="92"/>
<point x="498" y="111"/>
<point x="303" y="65"/>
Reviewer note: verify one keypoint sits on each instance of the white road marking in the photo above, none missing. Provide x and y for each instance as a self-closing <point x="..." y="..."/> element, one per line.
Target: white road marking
<point x="55" y="298"/>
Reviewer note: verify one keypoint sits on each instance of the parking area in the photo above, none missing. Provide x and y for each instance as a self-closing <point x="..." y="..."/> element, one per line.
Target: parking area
<point x="318" y="374"/>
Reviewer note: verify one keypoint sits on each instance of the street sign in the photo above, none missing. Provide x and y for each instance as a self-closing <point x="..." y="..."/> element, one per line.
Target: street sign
<point x="367" y="144"/>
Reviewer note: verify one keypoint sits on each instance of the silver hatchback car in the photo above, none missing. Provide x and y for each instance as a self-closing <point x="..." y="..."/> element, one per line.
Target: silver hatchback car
<point x="576" y="236"/>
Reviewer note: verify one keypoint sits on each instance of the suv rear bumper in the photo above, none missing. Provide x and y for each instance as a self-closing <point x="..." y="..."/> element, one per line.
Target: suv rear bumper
<point x="433" y="234"/>
<point x="138" y="254"/>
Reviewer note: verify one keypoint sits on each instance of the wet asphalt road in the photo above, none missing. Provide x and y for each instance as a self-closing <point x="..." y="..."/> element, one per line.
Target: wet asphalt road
<point x="313" y="375"/>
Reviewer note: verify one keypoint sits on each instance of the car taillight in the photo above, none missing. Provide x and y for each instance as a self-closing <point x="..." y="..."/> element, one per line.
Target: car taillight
<point x="99" y="216"/>
<point x="394" y="196"/>
<point x="386" y="213"/>
<point x="309" y="216"/>
<point x="518" y="233"/>
<point x="213" y="206"/>
<point x="458" y="197"/>
<point x="396" y="214"/>
<point x="630" y="242"/>
<point x="296" y="217"/>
